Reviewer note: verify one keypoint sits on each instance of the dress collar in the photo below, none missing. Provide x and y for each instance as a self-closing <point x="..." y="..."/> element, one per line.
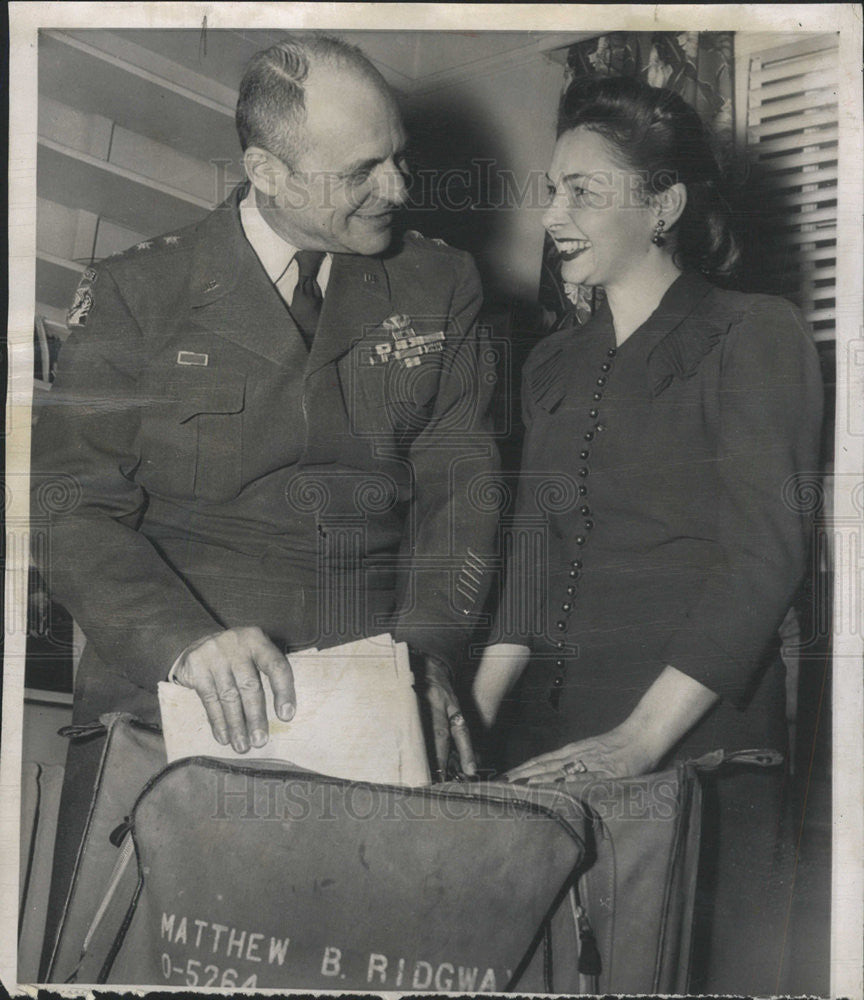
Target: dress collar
<point x="678" y="334"/>
<point x="681" y="332"/>
<point x="674" y="339"/>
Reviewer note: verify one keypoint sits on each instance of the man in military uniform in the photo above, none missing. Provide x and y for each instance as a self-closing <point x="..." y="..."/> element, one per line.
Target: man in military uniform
<point x="274" y="418"/>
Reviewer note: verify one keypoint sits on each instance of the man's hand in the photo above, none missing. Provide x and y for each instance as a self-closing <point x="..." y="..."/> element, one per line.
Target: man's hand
<point x="225" y="669"/>
<point x="446" y="719"/>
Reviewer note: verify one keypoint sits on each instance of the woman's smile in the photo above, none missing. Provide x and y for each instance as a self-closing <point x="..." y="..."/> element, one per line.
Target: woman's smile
<point x="570" y="249"/>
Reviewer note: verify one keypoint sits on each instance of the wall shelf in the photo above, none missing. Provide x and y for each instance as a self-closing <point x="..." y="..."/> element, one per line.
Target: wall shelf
<point x="79" y="180"/>
<point x="82" y="76"/>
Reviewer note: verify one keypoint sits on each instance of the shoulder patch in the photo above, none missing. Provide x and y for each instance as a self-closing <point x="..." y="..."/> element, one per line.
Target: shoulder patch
<point x="83" y="301"/>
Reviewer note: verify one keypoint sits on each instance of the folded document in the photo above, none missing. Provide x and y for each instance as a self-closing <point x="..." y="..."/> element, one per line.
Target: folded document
<point x="357" y="717"/>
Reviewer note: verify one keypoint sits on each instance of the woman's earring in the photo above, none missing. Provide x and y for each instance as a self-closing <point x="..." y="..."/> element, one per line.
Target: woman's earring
<point x="658" y="239"/>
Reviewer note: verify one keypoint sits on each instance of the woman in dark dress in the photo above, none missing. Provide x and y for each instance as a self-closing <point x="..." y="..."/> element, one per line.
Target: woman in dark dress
<point x="662" y="441"/>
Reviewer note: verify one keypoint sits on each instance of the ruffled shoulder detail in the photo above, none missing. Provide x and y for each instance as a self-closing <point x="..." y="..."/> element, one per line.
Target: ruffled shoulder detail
<point x="682" y="350"/>
<point x="546" y="381"/>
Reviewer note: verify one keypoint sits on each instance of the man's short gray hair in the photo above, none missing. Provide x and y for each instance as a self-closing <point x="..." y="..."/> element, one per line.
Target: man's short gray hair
<point x="271" y="107"/>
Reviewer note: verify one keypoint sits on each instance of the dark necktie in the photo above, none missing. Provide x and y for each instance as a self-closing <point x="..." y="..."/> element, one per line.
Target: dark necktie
<point x="307" y="298"/>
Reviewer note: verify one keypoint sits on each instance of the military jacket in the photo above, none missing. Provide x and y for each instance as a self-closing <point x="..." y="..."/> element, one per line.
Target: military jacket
<point x="223" y="474"/>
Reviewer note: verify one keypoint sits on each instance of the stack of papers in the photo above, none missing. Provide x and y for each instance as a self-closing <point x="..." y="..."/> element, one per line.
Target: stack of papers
<point x="357" y="717"/>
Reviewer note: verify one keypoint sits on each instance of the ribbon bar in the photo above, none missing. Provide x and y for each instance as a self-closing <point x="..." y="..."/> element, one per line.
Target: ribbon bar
<point x="407" y="347"/>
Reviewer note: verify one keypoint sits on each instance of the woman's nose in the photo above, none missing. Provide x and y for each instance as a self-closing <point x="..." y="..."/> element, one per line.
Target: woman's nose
<point x="556" y="212"/>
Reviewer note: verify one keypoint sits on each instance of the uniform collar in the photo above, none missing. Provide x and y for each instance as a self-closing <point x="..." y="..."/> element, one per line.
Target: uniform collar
<point x="274" y="253"/>
<point x="225" y="263"/>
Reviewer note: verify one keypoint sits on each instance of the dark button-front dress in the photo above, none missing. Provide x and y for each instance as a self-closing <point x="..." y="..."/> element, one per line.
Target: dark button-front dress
<point x="658" y="522"/>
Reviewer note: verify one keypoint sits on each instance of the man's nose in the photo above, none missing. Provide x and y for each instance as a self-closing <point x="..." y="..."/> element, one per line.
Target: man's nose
<point x="391" y="184"/>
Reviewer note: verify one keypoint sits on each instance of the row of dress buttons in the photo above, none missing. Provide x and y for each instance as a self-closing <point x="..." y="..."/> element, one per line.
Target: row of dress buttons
<point x="587" y="523"/>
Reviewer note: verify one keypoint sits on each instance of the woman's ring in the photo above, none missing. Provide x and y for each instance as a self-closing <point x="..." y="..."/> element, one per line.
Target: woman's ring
<point x="456" y="719"/>
<point x="574" y="767"/>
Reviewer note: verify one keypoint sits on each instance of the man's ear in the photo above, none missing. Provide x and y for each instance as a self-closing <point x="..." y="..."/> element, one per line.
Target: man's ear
<point x="264" y="170"/>
<point x="670" y="204"/>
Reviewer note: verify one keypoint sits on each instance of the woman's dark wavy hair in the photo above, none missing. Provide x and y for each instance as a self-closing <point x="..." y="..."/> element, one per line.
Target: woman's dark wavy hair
<point x="657" y="134"/>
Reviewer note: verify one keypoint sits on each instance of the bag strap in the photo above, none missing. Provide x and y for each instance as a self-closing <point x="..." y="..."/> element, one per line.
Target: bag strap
<point x="715" y="759"/>
<point x="127" y="853"/>
<point x="104" y="724"/>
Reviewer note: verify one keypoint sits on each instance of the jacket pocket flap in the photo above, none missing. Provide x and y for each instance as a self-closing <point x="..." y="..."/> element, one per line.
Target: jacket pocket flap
<point x="227" y="395"/>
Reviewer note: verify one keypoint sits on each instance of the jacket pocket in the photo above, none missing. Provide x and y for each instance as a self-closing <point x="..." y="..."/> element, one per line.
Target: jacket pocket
<point x="193" y="446"/>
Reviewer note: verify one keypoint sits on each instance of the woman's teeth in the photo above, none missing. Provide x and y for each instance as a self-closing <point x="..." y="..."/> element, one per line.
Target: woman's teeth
<point x="570" y="248"/>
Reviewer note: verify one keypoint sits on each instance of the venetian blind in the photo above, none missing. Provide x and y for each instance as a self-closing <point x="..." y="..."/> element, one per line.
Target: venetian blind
<point x="792" y="140"/>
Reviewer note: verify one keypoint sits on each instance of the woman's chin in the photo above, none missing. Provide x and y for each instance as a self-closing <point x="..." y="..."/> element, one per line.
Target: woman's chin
<point x="574" y="272"/>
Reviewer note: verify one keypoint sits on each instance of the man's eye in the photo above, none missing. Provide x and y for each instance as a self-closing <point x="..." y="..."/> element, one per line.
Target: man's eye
<point x="359" y="177"/>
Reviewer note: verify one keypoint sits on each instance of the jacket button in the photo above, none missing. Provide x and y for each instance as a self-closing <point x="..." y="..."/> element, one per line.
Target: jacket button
<point x="585" y="510"/>
<point x="571" y="591"/>
<point x="598" y="395"/>
<point x="558" y="682"/>
<point x="559" y="664"/>
<point x="583" y="471"/>
<point x="584" y="454"/>
<point x="589" y="525"/>
<point x="605" y="367"/>
<point x="588" y="435"/>
<point x="611" y="352"/>
<point x="560" y="626"/>
<point x="600" y="428"/>
<point x="576" y="564"/>
<point x="566" y="607"/>
<point x="559" y="644"/>
<point x="601" y="380"/>
<point x="580" y="539"/>
<point x="593" y="413"/>
<point x="582" y="490"/>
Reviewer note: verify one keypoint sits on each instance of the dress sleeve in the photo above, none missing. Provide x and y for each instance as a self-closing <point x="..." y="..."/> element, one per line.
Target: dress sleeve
<point x="770" y="414"/>
<point x="133" y="608"/>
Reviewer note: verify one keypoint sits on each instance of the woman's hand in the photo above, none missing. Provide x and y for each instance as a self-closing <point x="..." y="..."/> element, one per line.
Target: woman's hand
<point x="669" y="708"/>
<point x="618" y="753"/>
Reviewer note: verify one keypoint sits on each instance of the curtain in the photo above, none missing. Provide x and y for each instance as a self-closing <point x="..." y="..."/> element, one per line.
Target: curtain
<point x="695" y="64"/>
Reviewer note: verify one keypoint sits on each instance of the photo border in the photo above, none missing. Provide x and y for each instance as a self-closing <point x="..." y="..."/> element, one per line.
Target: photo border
<point x="847" y="931"/>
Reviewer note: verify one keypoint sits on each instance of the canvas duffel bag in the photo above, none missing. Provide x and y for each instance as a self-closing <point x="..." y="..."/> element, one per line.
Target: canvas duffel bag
<point x="590" y="890"/>
<point x="259" y="876"/>
<point x="626" y="925"/>
<point x="132" y="753"/>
